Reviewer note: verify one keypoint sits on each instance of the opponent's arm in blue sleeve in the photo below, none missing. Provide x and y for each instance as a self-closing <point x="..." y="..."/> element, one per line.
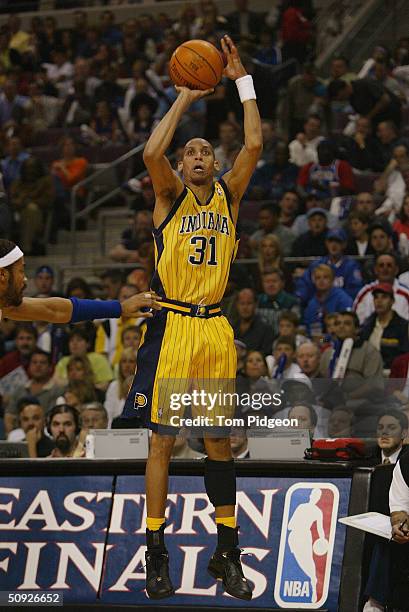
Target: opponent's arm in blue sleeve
<point x="61" y="310"/>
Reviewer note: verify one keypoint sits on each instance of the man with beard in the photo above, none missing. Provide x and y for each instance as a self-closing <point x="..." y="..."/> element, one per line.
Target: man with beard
<point x="58" y="310"/>
<point x="63" y="424"/>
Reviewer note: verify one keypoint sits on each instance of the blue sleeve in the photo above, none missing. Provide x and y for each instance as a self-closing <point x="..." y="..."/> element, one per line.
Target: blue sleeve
<point x="87" y="310"/>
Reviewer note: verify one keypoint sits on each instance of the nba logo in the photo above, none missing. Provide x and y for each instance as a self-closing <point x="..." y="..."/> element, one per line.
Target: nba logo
<point x="306" y="545"/>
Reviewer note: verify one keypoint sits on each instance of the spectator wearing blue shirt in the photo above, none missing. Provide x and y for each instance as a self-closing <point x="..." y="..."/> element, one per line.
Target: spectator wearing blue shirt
<point x="11" y="165"/>
<point x="111" y="34"/>
<point x="272" y="180"/>
<point x="347" y="272"/>
<point x="267" y="52"/>
<point x="326" y="299"/>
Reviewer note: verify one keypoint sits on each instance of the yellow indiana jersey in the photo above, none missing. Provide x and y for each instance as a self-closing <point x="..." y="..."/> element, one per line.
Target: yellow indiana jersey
<point x="194" y="248"/>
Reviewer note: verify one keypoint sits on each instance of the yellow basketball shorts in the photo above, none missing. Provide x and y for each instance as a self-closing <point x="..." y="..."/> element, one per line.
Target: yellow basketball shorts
<point x="178" y="354"/>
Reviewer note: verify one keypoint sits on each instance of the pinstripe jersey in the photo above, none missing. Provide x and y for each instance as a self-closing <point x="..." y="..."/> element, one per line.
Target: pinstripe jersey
<point x="194" y="248"/>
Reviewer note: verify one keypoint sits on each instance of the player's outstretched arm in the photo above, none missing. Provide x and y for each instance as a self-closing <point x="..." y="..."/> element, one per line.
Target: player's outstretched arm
<point x="61" y="310"/>
<point x="166" y="182"/>
<point x="239" y="176"/>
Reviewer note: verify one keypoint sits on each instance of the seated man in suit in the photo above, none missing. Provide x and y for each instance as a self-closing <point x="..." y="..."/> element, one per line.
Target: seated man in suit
<point x="391" y="430"/>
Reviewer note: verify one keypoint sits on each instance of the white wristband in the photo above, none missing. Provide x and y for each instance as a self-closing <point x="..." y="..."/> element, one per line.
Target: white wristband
<point x="246" y="88"/>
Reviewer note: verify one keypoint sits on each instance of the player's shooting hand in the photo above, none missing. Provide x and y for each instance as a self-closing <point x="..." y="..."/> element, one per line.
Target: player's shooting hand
<point x="234" y="68"/>
<point x="132" y="307"/>
<point x="191" y="95"/>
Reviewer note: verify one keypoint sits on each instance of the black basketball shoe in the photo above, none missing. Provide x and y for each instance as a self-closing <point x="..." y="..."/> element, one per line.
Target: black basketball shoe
<point x="158" y="582"/>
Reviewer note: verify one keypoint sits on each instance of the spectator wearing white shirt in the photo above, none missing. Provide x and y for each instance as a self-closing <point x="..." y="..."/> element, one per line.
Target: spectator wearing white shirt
<point x="386" y="271"/>
<point x="303" y="149"/>
<point x="401" y="74"/>
<point x="60" y="71"/>
<point x="399" y="501"/>
<point x="399" y="508"/>
<point x="394" y="182"/>
<point x="281" y="364"/>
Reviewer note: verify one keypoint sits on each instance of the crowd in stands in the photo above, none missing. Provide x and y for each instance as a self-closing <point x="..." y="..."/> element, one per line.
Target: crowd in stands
<point x="325" y="219"/>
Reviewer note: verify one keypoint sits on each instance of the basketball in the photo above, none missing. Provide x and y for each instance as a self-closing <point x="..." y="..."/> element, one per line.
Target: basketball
<point x="320" y="547"/>
<point x="196" y="64"/>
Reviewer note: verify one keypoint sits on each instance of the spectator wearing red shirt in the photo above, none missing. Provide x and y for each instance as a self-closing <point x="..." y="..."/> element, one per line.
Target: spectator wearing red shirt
<point x="399" y="379"/>
<point x="401" y="225"/>
<point x="296" y="32"/>
<point x="328" y="178"/>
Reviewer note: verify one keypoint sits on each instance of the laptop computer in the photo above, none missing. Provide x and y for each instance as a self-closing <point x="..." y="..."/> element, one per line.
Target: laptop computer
<point x="13" y="450"/>
<point x="282" y="445"/>
<point x="120" y="443"/>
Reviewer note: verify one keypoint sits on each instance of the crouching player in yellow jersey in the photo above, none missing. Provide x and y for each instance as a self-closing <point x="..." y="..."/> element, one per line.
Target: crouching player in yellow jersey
<point x="195" y="240"/>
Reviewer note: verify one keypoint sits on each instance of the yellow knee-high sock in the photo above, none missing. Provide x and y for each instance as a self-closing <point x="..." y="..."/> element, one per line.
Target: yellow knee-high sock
<point x="154" y="524"/>
<point x="228" y="521"/>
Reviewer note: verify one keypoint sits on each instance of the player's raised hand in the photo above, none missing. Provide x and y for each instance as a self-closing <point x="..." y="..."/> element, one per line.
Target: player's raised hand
<point x="191" y="95"/>
<point x="132" y="307"/>
<point x="234" y="68"/>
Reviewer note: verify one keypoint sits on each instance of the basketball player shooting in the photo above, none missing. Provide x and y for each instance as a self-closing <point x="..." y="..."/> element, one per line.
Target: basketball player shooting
<point x="195" y="239"/>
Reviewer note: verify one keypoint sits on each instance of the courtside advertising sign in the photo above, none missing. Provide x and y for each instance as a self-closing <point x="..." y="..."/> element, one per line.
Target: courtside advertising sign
<point x="85" y="537"/>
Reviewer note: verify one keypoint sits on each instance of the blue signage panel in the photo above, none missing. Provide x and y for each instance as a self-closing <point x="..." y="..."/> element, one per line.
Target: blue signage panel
<point x="52" y="534"/>
<point x="288" y="528"/>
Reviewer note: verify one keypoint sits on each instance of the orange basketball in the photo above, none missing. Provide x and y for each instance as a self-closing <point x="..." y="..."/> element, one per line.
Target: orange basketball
<point x="196" y="64"/>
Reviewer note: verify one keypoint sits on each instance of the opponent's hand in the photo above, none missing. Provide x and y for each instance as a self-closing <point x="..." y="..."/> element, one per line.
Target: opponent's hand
<point x="132" y="307"/>
<point x="234" y="68"/>
<point x="191" y="95"/>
